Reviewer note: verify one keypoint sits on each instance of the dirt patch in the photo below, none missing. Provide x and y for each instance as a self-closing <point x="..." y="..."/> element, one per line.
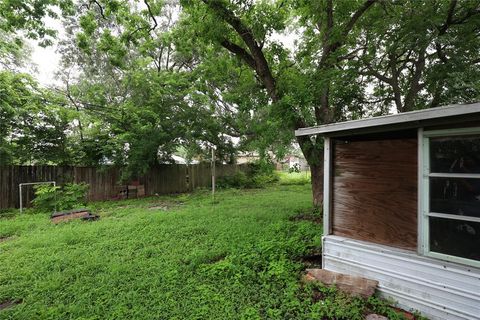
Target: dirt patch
<point x="215" y="259"/>
<point x="317" y="296"/>
<point x="164" y="206"/>
<point x="9" y="304"/>
<point x="311" y="215"/>
<point x="406" y="314"/>
<point x="7" y="238"/>
<point x="312" y="260"/>
<point x="315" y="218"/>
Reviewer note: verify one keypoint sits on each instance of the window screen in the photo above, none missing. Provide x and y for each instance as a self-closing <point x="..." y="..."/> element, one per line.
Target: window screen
<point x="454" y="196"/>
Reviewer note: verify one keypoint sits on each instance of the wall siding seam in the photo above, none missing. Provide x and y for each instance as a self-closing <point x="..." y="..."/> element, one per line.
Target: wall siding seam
<point x="440" y="299"/>
<point x="407" y="256"/>
<point x="412" y="279"/>
<point x="392" y="292"/>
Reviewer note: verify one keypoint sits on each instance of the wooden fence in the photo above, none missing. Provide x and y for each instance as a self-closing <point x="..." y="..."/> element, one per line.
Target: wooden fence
<point x="105" y="183"/>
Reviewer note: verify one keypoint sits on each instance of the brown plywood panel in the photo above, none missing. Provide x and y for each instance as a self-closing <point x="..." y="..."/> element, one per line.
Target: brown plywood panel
<point x="375" y="191"/>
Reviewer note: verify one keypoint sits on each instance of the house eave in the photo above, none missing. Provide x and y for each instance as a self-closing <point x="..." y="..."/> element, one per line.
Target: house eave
<point x="408" y="120"/>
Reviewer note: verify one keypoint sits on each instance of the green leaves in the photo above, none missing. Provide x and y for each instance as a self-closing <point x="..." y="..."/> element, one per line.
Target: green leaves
<point x="33" y="123"/>
<point x="28" y="15"/>
<point x="49" y="198"/>
<point x="88" y="23"/>
<point x="155" y="75"/>
<point x="83" y="43"/>
<point x="113" y="47"/>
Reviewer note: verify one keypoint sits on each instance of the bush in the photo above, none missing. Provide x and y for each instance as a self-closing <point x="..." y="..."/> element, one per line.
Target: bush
<point x="48" y="197"/>
<point x="264" y="179"/>
<point x="257" y="175"/>
<point x="45" y="197"/>
<point x="238" y="180"/>
<point x="294" y="168"/>
<point x="73" y="195"/>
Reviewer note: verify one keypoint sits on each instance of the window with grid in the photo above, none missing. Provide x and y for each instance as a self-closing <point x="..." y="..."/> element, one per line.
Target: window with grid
<point x="451" y="204"/>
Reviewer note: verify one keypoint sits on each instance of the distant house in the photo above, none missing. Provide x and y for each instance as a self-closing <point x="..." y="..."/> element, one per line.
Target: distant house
<point x="291" y="161"/>
<point x="247" y="157"/>
<point x="180" y="160"/>
<point x="402" y="206"/>
<point x="174" y="159"/>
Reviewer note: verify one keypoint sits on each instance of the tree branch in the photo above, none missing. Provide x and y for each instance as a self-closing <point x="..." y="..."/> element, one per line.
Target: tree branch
<point x="100" y="8"/>
<point x="376" y="74"/>
<point x="448" y="22"/>
<point x="329" y="10"/>
<point x="415" y="85"/>
<point x="328" y="49"/>
<point x="261" y="66"/>
<point x="155" y="24"/>
<point x="357" y="15"/>
<point x="239" y="51"/>
<point x="441" y="55"/>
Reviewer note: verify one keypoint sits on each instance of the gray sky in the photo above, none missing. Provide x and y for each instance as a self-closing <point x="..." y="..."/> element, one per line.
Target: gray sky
<point x="46" y="61"/>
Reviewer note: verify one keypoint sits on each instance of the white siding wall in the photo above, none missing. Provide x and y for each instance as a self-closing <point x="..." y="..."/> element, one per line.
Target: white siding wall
<point x="438" y="289"/>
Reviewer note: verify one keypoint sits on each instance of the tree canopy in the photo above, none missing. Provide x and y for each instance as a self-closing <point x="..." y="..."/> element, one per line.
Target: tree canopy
<point x="143" y="79"/>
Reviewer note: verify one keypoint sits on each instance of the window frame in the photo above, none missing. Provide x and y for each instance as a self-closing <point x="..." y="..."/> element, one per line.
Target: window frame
<point x="424" y="193"/>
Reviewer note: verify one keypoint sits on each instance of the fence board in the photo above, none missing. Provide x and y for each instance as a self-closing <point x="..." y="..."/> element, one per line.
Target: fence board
<point x="104" y="183"/>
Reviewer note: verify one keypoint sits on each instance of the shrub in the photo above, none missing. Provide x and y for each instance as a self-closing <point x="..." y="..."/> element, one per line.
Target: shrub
<point x="48" y="197"/>
<point x="73" y="195"/>
<point x="257" y="175"/>
<point x="294" y="168"/>
<point x="238" y="180"/>
<point x="45" y="197"/>
<point x="264" y="179"/>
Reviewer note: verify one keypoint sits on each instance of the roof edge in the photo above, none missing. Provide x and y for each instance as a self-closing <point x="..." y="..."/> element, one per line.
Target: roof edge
<point x="395" y="119"/>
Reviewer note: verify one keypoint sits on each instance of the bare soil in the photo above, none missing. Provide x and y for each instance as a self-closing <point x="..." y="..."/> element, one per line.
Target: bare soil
<point x="9" y="304"/>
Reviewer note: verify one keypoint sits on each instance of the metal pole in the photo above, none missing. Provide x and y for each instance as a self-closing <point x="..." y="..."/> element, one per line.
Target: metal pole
<point x="213" y="174"/>
<point x="34" y="183"/>
<point x="55" y="197"/>
<point x="21" y="200"/>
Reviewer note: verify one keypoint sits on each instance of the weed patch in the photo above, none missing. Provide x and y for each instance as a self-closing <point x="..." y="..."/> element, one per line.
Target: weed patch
<point x="294" y="178"/>
<point x="238" y="259"/>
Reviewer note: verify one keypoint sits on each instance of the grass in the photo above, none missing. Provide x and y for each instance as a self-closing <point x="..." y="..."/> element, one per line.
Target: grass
<point x="183" y="259"/>
<point x="294" y="178"/>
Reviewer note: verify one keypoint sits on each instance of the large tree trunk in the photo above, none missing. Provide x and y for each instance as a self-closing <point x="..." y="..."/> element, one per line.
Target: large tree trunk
<point x="252" y="54"/>
<point x="313" y="152"/>
<point x="316" y="171"/>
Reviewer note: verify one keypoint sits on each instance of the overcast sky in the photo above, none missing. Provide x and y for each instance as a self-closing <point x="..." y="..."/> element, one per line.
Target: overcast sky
<point x="47" y="59"/>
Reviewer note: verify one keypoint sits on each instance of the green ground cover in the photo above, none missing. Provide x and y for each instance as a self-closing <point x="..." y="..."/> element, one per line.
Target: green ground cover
<point x="294" y="178"/>
<point x="175" y="257"/>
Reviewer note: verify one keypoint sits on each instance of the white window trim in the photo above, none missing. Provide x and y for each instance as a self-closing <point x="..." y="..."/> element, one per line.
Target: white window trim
<point x="424" y="175"/>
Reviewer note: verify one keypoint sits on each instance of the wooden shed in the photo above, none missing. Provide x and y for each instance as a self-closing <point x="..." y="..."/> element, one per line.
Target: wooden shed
<point x="402" y="206"/>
